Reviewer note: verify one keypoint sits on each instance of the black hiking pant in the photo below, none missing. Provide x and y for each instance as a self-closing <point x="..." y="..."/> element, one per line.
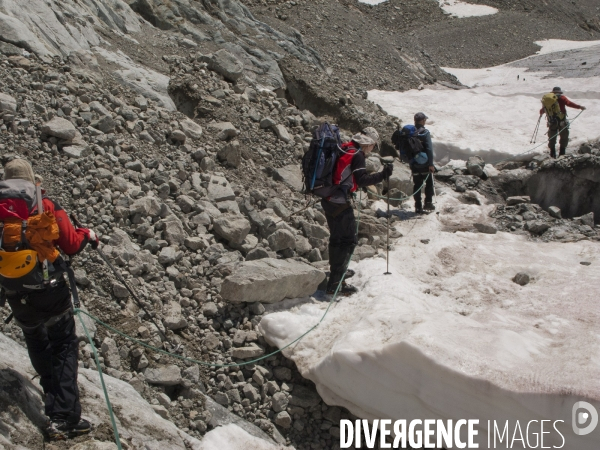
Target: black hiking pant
<point x="342" y="239"/>
<point x="553" y="134"/>
<point x="53" y="348"/>
<point x="418" y="180"/>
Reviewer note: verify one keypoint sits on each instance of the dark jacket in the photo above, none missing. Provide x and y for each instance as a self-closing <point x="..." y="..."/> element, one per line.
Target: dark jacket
<point x="425" y="137"/>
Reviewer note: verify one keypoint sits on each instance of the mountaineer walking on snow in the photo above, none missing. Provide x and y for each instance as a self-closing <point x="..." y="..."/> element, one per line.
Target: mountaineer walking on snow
<point x="350" y="174"/>
<point x="555" y="107"/>
<point x="414" y="143"/>
<point x="32" y="280"/>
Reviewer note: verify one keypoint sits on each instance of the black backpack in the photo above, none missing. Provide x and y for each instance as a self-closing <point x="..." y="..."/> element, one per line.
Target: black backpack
<point x="408" y="142"/>
<point x="320" y="159"/>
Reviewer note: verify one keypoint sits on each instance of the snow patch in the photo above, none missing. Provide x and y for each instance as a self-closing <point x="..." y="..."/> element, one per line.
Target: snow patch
<point x="232" y="437"/>
<point x="460" y="9"/>
<point x="372" y="2"/>
<point x="559" y="45"/>
<point x="449" y="336"/>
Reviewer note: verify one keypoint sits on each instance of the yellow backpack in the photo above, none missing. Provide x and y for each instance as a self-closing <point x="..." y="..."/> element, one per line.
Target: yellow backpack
<point x="552" y="108"/>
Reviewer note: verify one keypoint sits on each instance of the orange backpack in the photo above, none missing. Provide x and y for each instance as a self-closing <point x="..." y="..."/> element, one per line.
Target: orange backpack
<point x="27" y="251"/>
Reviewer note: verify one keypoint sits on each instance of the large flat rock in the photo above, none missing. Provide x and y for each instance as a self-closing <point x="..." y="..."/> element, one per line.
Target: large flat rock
<point x="270" y="280"/>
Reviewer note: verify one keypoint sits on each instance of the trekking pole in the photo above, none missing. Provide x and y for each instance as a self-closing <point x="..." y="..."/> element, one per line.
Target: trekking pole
<point x="124" y="283"/>
<point x="387" y="272"/>
<point x="535" y="131"/>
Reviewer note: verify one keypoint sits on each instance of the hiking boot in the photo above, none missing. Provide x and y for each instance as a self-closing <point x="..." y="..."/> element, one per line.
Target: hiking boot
<point x="418" y="209"/>
<point x="60" y="430"/>
<point x="429" y="207"/>
<point x="345" y="290"/>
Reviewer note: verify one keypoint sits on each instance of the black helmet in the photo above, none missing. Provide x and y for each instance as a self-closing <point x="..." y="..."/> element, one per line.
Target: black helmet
<point x="557" y="90"/>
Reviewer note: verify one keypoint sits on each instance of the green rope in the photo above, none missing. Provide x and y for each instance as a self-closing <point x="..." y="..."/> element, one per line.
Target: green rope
<point x="207" y="364"/>
<point x="110" y="410"/>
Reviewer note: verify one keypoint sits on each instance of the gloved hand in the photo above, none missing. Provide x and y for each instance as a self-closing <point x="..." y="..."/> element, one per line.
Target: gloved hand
<point x="93" y="240"/>
<point x="387" y="170"/>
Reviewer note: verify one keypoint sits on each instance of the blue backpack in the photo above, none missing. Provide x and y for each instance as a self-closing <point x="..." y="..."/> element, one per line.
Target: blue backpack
<point x="408" y="142"/>
<point x="319" y="161"/>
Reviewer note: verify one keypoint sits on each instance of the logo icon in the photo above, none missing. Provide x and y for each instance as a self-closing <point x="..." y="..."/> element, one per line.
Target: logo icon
<point x="585" y="418"/>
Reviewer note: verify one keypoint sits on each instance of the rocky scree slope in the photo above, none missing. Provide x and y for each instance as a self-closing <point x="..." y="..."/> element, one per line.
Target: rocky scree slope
<point x="382" y="45"/>
<point x="178" y="203"/>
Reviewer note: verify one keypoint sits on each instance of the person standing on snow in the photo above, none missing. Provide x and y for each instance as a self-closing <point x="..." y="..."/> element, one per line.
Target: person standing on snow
<point x="422" y="171"/>
<point x="44" y="312"/>
<point x="350" y="174"/>
<point x="558" y="123"/>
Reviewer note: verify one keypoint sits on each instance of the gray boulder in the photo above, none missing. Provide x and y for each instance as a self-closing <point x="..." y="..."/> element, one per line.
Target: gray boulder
<point x="168" y="256"/>
<point x="191" y="129"/>
<point x="267" y="122"/>
<point x="475" y="165"/>
<point x="226" y="64"/>
<point x="251" y="351"/>
<point x="372" y="164"/>
<point x="517" y="200"/>
<point x="77" y="151"/>
<point x="173" y="231"/>
<point x="315" y="231"/>
<point x="106" y="124"/>
<point x="555" y="212"/>
<point x="225" y="130"/>
<point x="173" y="317"/>
<point x="163" y="376"/>
<point x="486" y="228"/>
<point x="401" y="178"/>
<point x="537" y="227"/>
<point x="232" y="227"/>
<point x="270" y="280"/>
<point x="282" y="133"/>
<point x="282" y="239"/>
<point x="7" y="103"/>
<point x="110" y="353"/>
<point x="586" y="219"/>
<point x="60" y="128"/>
<point x="291" y="176"/>
<point x="231" y="154"/>
<point x="522" y="278"/>
<point x="219" y="189"/>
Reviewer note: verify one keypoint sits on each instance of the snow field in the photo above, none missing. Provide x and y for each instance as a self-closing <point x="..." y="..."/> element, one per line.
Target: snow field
<point x="449" y="336"/>
<point x="496" y="117"/>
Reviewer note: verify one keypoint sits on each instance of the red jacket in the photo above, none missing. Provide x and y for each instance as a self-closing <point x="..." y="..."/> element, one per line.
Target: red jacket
<point x="563" y="102"/>
<point x="72" y="240"/>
